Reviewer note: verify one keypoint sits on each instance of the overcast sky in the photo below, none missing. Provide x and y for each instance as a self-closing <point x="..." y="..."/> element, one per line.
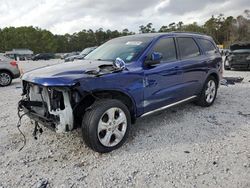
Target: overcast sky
<point x="69" y="16"/>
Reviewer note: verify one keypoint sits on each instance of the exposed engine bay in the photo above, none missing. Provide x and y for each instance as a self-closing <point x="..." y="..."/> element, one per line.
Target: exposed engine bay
<point x="49" y="106"/>
<point x="108" y="68"/>
<point x="103" y="69"/>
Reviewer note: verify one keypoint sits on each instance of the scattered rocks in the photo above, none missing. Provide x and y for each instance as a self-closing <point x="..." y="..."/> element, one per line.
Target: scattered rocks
<point x="187" y="146"/>
<point x="215" y="163"/>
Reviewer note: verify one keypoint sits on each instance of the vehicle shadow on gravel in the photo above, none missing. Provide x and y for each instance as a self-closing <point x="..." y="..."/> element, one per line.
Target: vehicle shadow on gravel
<point x="185" y="124"/>
<point x="15" y="84"/>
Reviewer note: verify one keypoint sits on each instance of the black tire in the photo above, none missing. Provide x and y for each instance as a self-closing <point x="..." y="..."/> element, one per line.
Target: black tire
<point x="202" y="100"/>
<point x="6" y="75"/>
<point x="92" y="118"/>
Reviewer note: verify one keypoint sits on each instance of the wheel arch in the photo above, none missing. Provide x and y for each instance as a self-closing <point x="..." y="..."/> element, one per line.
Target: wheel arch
<point x="216" y="76"/>
<point x="92" y="96"/>
<point x="8" y="71"/>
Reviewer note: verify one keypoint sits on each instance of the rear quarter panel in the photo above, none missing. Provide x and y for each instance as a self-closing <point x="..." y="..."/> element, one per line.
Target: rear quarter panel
<point x="5" y="66"/>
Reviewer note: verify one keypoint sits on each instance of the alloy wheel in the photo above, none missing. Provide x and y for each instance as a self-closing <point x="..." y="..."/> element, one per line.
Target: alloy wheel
<point x="210" y="91"/>
<point x="112" y="127"/>
<point x="4" y="79"/>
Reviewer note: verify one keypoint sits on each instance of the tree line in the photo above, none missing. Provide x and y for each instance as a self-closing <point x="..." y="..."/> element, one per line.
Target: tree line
<point x="224" y="30"/>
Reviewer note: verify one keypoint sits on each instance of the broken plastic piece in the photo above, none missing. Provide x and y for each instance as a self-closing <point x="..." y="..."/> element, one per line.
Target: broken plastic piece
<point x="37" y="129"/>
<point x="231" y="80"/>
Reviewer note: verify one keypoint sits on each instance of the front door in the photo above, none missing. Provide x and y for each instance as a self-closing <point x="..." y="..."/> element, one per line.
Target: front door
<point x="162" y="81"/>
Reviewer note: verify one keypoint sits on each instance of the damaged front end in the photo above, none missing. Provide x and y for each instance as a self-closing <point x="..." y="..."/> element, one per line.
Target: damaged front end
<point x="239" y="57"/>
<point x="51" y="95"/>
<point x="107" y="68"/>
<point x="50" y="106"/>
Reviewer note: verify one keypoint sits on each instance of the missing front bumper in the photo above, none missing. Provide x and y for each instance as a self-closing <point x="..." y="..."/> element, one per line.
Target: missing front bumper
<point x="50" y="107"/>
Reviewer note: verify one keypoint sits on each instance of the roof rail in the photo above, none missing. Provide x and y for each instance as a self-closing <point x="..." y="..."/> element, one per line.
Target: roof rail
<point x="187" y="32"/>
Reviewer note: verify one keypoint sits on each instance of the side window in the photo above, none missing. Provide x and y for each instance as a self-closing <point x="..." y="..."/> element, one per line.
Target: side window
<point x="166" y="47"/>
<point x="188" y="48"/>
<point x="207" y="45"/>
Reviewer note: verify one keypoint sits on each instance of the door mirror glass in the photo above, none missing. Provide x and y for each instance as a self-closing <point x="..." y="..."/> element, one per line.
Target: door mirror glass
<point x="156" y="56"/>
<point x="154" y="59"/>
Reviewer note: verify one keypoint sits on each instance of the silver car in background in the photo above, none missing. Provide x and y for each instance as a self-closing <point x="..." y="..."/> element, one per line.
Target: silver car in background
<point x="85" y="52"/>
<point x="8" y="70"/>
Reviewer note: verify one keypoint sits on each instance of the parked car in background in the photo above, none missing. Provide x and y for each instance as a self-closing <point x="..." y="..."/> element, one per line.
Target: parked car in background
<point x="85" y="52"/>
<point x="225" y="52"/>
<point x="20" y="54"/>
<point x="43" y="56"/>
<point x="123" y="79"/>
<point x="8" y="70"/>
<point x="238" y="57"/>
<point x="66" y="55"/>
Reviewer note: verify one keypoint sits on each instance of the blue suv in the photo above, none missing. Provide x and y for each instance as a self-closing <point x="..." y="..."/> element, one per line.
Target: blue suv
<point x="120" y="81"/>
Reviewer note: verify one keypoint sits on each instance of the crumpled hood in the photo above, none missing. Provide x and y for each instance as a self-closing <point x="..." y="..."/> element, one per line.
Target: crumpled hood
<point x="63" y="74"/>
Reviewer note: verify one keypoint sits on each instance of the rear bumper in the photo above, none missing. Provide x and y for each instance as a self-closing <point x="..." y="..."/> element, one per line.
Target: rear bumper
<point x="16" y="75"/>
<point x="14" y="70"/>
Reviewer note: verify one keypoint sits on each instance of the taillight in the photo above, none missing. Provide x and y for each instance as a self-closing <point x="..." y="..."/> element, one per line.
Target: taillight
<point x="13" y="63"/>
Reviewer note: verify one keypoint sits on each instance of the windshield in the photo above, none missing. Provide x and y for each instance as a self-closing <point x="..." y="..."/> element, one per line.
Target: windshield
<point x="127" y="48"/>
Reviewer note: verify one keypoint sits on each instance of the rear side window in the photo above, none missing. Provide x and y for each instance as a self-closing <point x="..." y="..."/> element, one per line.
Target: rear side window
<point x="207" y="46"/>
<point x="166" y="47"/>
<point x="188" y="48"/>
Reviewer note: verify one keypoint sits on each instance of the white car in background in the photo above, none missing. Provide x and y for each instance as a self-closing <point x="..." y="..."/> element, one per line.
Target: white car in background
<point x="8" y="70"/>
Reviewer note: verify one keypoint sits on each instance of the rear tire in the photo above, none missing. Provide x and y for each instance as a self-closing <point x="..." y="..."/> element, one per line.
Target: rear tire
<point x="106" y="125"/>
<point x="208" y="93"/>
<point x="5" y="78"/>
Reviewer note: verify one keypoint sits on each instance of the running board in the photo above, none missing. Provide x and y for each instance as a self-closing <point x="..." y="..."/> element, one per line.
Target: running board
<point x="168" y="106"/>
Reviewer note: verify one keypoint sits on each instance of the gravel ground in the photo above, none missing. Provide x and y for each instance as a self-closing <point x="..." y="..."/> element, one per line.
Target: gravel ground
<point x="186" y="146"/>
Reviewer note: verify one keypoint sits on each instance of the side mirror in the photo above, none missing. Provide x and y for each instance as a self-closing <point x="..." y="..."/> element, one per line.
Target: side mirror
<point x="154" y="59"/>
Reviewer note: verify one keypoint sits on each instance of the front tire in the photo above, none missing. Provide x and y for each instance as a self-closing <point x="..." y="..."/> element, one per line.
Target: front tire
<point x="208" y="93"/>
<point x="106" y="125"/>
<point x="5" y="78"/>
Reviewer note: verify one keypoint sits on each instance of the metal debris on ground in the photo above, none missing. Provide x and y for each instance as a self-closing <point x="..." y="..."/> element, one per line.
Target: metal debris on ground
<point x="42" y="183"/>
<point x="243" y="114"/>
<point x="231" y="80"/>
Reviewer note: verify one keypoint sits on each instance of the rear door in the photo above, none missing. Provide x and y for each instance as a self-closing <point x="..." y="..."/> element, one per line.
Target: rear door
<point x="214" y="59"/>
<point x="162" y="81"/>
<point x="193" y="64"/>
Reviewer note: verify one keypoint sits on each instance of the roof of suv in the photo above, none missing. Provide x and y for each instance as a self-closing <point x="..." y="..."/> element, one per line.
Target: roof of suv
<point x="155" y="35"/>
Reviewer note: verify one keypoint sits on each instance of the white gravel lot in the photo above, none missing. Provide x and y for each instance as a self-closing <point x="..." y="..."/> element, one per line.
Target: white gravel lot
<point x="186" y="146"/>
